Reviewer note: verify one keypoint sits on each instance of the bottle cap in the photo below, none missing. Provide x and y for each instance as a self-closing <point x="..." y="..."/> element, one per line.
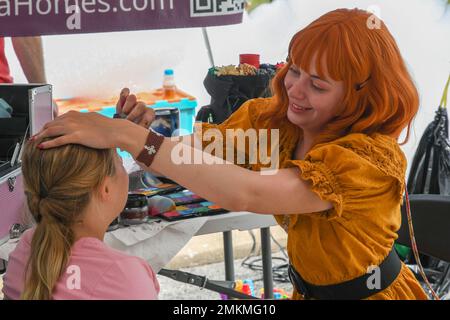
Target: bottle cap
<point x="168" y="72"/>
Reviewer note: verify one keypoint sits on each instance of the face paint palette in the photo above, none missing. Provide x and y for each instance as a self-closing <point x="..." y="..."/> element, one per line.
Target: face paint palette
<point x="161" y="189"/>
<point x="192" y="210"/>
<point x="184" y="197"/>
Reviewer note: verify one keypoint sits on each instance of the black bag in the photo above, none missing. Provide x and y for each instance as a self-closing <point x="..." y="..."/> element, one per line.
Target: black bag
<point x="229" y="92"/>
<point x="430" y="169"/>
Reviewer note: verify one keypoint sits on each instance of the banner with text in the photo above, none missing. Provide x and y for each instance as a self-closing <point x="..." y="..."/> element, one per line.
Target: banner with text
<point x="51" y="17"/>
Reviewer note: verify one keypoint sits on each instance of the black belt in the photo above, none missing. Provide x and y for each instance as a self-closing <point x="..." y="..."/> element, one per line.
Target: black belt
<point x="355" y="289"/>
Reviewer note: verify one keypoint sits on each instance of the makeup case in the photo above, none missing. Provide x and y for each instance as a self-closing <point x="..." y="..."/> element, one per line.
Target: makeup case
<point x="31" y="107"/>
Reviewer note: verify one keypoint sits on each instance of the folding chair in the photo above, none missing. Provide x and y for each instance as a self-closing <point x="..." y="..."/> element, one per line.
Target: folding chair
<point x="431" y="221"/>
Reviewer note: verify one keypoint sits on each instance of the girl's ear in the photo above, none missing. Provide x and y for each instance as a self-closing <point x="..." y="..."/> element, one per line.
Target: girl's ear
<point x="104" y="190"/>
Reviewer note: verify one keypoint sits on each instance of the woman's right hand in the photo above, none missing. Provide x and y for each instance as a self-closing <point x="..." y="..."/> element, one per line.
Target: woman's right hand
<point x="136" y="111"/>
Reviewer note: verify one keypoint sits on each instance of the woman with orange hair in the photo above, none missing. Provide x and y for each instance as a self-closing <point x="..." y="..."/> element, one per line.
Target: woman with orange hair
<point x="339" y="106"/>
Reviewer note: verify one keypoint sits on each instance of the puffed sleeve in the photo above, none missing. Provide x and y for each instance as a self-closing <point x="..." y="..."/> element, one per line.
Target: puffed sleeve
<point x="353" y="175"/>
<point x="214" y="136"/>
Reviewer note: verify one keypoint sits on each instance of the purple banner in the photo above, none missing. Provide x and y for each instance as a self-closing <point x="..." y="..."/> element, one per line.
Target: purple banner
<point x="50" y="17"/>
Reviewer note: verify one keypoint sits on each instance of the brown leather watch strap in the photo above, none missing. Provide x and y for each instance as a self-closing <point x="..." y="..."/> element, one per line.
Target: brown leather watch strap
<point x="151" y="147"/>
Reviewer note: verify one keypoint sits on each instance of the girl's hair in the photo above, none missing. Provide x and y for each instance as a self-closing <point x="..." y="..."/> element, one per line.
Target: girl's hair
<point x="58" y="185"/>
<point x="379" y="94"/>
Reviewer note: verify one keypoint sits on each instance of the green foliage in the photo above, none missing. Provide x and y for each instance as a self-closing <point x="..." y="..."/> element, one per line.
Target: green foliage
<point x="252" y="4"/>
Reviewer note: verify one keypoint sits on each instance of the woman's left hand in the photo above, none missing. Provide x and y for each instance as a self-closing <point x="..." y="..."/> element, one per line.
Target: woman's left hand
<point x="96" y="131"/>
<point x="136" y="111"/>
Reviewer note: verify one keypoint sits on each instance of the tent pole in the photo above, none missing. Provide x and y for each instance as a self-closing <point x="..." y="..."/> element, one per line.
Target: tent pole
<point x="208" y="46"/>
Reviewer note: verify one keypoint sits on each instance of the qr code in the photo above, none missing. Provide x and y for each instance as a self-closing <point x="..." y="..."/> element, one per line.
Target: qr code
<point x="205" y="8"/>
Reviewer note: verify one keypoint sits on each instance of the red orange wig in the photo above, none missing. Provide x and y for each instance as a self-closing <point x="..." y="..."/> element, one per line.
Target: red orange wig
<point x="380" y="96"/>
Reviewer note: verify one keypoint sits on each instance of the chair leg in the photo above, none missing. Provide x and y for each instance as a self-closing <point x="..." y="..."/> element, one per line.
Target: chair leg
<point x="444" y="282"/>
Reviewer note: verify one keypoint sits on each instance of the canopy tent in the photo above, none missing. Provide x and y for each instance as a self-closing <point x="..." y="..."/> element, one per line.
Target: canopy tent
<point x="51" y="17"/>
<point x="58" y="17"/>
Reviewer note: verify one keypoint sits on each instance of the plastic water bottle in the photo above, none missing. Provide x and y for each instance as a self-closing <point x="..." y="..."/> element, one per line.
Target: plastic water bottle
<point x="169" y="84"/>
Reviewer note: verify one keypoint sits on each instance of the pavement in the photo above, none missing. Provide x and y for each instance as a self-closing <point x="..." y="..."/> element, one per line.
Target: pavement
<point x="173" y="290"/>
<point x="203" y="256"/>
<point x="208" y="249"/>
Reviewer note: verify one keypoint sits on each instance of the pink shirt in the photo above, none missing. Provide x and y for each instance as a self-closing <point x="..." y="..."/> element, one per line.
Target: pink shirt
<point x="95" y="271"/>
<point x="5" y="76"/>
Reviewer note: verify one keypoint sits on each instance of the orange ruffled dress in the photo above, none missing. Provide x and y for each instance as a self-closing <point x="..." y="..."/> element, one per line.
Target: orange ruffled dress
<point x="363" y="176"/>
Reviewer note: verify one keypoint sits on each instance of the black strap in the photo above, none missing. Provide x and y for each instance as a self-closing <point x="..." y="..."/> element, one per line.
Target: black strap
<point x="355" y="289"/>
<point x="224" y="287"/>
